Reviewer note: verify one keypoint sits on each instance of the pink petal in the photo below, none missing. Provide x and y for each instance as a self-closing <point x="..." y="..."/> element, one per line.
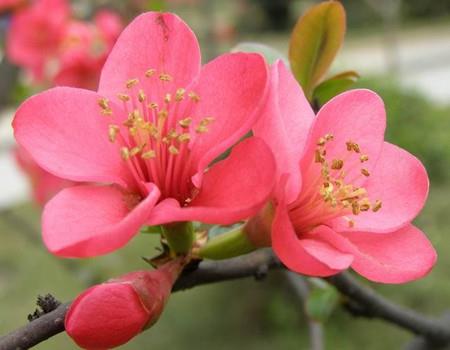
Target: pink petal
<point x="284" y="125"/>
<point x="154" y="40"/>
<point x="396" y="257"/>
<point x="85" y="221"/>
<point x="400" y="181"/>
<point x="65" y="133"/>
<point x="305" y="256"/>
<point x="232" y="190"/>
<point x="357" y="116"/>
<point x="232" y="89"/>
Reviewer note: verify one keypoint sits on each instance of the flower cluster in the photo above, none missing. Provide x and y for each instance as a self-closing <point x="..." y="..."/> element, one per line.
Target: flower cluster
<point x="56" y="49"/>
<point x="165" y="142"/>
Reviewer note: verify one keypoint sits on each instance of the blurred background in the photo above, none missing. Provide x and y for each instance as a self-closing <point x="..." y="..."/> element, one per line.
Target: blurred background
<point x="401" y="49"/>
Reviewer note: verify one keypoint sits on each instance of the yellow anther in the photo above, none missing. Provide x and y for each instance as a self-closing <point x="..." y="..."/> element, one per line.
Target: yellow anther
<point x="318" y="158"/>
<point x="167" y="98"/>
<point x="141" y="96"/>
<point x="201" y="129"/>
<point x="152" y="105"/>
<point x="113" y="130"/>
<point x="206" y="121"/>
<point x="165" y="77"/>
<point x="364" y="158"/>
<point x="123" y="97"/>
<point x="185" y="137"/>
<point x="163" y="113"/>
<point x="134" y="151"/>
<point x="103" y="103"/>
<point x="193" y="96"/>
<point x="355" y="208"/>
<point x="173" y="150"/>
<point x="184" y="123"/>
<point x="106" y="111"/>
<point x="329" y="137"/>
<point x="150" y="72"/>
<point x="364" y="204"/>
<point x="132" y="82"/>
<point x="179" y="95"/>
<point x="125" y="153"/>
<point x="172" y="134"/>
<point x="365" y="172"/>
<point x="376" y="206"/>
<point x="135" y="114"/>
<point x="148" y="154"/>
<point x="337" y="164"/>
<point x="355" y="147"/>
<point x="321" y="142"/>
<point x="165" y="140"/>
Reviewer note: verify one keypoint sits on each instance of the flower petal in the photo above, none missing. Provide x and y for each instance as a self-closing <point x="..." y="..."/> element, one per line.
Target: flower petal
<point x="65" y="133"/>
<point x="396" y="257"/>
<point x="305" y="256"/>
<point x="232" y="89"/>
<point x="232" y="190"/>
<point x="400" y="181"/>
<point x="154" y="40"/>
<point x="284" y="125"/>
<point x="85" y="221"/>
<point x="357" y="116"/>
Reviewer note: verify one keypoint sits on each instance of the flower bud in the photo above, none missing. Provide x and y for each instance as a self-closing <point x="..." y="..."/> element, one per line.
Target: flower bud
<point x="110" y="314"/>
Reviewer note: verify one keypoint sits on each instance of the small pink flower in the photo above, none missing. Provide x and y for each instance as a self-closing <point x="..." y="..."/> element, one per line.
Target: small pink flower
<point x="44" y="184"/>
<point x="110" y="314"/>
<point x="345" y="197"/>
<point x="84" y="50"/>
<point x="150" y="136"/>
<point x="35" y="34"/>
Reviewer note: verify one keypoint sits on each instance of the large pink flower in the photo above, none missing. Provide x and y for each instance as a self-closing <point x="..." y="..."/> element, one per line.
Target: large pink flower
<point x="35" y="34"/>
<point x="150" y="135"/>
<point x="345" y="197"/>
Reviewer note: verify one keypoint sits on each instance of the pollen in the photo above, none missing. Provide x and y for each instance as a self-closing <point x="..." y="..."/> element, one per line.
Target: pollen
<point x="184" y="123"/>
<point x="179" y="95"/>
<point x="103" y="103"/>
<point x="113" y="130"/>
<point x="173" y="150"/>
<point x="201" y="129"/>
<point x="150" y="72"/>
<point x="125" y="153"/>
<point x="337" y="164"/>
<point x="132" y="82"/>
<point x="148" y="154"/>
<point x="377" y="205"/>
<point x="123" y="97"/>
<point x="365" y="172"/>
<point x="364" y="158"/>
<point x="185" y="137"/>
<point x="352" y="146"/>
<point x="193" y="96"/>
<point x="141" y="96"/>
<point x="165" y="77"/>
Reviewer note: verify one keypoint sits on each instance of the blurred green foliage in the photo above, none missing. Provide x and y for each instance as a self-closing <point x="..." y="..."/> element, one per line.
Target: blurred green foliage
<point x="416" y="124"/>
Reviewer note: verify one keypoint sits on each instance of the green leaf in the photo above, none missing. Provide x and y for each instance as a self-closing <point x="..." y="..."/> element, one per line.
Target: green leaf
<point x="269" y="53"/>
<point x="333" y="86"/>
<point x="151" y="230"/>
<point x="321" y="302"/>
<point x="314" y="43"/>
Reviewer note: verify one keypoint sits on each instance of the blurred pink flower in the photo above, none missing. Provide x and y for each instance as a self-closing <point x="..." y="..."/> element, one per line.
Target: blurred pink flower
<point x="345" y="197"/>
<point x="150" y="135"/>
<point x="35" y="35"/>
<point x="85" y="48"/>
<point x="110" y="314"/>
<point x="44" y="184"/>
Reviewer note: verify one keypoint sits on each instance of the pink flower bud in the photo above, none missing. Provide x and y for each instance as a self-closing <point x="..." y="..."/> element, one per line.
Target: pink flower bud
<point x="110" y="314"/>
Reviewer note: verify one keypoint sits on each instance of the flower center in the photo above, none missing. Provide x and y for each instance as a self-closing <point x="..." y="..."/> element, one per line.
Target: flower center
<point x="156" y="136"/>
<point x="328" y="191"/>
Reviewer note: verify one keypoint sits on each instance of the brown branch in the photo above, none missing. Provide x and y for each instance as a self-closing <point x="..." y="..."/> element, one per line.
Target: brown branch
<point x="365" y="302"/>
<point x="361" y="300"/>
<point x="256" y="264"/>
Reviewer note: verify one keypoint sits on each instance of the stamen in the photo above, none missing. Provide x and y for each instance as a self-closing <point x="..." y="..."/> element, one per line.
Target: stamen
<point x="150" y="72"/>
<point x="185" y="137"/>
<point x="179" y="95"/>
<point x="193" y="96"/>
<point x="103" y="103"/>
<point x="173" y="150"/>
<point x="148" y="154"/>
<point x="132" y="82"/>
<point x="113" y="130"/>
<point x="364" y="158"/>
<point x="141" y="96"/>
<point x="125" y="153"/>
<point x="165" y="77"/>
<point x="377" y="205"/>
<point x="201" y="129"/>
<point x="365" y="172"/>
<point x="355" y="208"/>
<point x="337" y="164"/>
<point x="184" y="123"/>
<point x="167" y="98"/>
<point x="123" y="97"/>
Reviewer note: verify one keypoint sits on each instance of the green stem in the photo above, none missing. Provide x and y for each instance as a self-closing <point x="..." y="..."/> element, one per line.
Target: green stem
<point x="180" y="236"/>
<point x="227" y="245"/>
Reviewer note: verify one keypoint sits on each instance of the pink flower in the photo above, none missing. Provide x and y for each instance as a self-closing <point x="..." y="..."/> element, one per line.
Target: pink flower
<point x="44" y="184"/>
<point x="345" y="198"/>
<point x="112" y="313"/>
<point x="35" y="34"/>
<point x="85" y="48"/>
<point x="150" y="136"/>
